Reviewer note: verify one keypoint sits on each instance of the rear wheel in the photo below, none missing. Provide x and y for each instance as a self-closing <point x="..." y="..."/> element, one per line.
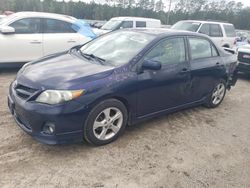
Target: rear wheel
<point x="217" y="95"/>
<point x="106" y="122"/>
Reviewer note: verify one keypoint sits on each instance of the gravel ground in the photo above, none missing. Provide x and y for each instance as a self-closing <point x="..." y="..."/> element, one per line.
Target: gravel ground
<point x="198" y="147"/>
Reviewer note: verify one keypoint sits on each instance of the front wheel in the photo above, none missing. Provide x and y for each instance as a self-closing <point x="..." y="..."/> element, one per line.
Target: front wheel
<point x="105" y="122"/>
<point x="217" y="95"/>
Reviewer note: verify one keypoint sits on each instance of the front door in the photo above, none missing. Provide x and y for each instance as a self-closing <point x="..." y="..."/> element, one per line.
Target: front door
<point x="25" y="44"/>
<point x="168" y="87"/>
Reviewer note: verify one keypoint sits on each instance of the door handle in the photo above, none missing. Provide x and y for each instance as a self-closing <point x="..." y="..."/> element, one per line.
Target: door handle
<point x="35" y="42"/>
<point x="71" y="41"/>
<point x="184" y="70"/>
<point x="218" y="63"/>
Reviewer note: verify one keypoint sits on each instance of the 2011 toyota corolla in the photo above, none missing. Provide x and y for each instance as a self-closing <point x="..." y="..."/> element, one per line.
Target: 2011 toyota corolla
<point x="93" y="91"/>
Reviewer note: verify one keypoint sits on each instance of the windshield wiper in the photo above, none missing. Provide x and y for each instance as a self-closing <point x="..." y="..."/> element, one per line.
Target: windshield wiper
<point x="92" y="56"/>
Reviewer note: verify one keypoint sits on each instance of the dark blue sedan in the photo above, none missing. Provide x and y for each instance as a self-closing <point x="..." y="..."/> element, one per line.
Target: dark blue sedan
<point x="93" y="91"/>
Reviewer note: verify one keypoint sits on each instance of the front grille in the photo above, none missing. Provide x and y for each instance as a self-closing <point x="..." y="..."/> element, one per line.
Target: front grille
<point x="22" y="122"/>
<point x="244" y="57"/>
<point x="24" y="92"/>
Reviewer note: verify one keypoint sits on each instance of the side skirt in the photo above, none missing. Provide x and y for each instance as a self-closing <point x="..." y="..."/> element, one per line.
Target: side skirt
<point x="168" y="111"/>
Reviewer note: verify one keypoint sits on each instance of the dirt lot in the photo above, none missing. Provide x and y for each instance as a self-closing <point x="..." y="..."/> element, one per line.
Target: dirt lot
<point x="198" y="147"/>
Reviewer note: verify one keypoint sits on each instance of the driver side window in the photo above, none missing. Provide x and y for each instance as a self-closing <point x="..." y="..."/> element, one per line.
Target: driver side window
<point x="127" y="24"/>
<point x="27" y="26"/>
<point x="170" y="51"/>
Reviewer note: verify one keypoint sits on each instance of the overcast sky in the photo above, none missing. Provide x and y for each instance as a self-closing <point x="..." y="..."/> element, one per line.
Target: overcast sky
<point x="245" y="2"/>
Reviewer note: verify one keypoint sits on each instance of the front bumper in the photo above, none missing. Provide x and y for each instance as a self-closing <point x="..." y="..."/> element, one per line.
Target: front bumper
<point x="68" y="119"/>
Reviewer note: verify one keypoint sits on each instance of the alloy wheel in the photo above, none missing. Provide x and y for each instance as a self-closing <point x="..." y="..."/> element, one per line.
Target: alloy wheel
<point x="108" y="123"/>
<point x="218" y="94"/>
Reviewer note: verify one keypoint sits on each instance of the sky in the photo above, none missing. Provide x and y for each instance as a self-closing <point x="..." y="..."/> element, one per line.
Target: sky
<point x="245" y="2"/>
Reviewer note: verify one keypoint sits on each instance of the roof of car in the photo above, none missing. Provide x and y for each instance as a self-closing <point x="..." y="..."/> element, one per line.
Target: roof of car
<point x="133" y="18"/>
<point x="166" y="32"/>
<point x="208" y="21"/>
<point x="45" y="15"/>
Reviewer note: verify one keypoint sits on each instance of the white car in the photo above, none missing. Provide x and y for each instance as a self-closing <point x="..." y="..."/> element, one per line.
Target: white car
<point x="127" y="22"/>
<point x="223" y="34"/>
<point x="26" y="36"/>
<point x="1" y="17"/>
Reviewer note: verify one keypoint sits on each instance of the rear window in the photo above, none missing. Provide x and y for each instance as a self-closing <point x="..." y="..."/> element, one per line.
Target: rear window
<point x="127" y="24"/>
<point x="230" y="30"/>
<point x="205" y="29"/>
<point x="140" y="24"/>
<point x="187" y="26"/>
<point x="215" y="30"/>
<point x="201" y="48"/>
<point x="57" y="26"/>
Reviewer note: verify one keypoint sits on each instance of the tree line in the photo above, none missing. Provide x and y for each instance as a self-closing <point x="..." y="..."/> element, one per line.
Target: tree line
<point x="231" y="11"/>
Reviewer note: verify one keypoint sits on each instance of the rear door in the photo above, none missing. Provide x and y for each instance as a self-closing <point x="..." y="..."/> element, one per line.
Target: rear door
<point x="214" y="31"/>
<point x="216" y="34"/>
<point x="230" y="35"/>
<point x="25" y="44"/>
<point x="58" y="36"/>
<point x="206" y="67"/>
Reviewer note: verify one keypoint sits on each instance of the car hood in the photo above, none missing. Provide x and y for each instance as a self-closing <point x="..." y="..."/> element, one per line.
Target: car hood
<point x="62" y="71"/>
<point x="99" y="32"/>
<point x="244" y="48"/>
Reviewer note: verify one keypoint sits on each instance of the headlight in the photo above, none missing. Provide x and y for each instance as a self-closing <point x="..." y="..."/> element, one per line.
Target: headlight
<point x="58" y="96"/>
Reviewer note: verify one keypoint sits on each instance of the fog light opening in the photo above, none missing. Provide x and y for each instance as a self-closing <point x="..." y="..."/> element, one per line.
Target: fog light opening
<point x="49" y="128"/>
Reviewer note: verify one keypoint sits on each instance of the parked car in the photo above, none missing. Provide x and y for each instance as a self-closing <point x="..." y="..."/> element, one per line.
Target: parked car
<point x="244" y="59"/>
<point x="127" y="22"/>
<point x="223" y="34"/>
<point x="242" y="38"/>
<point x="93" y="91"/>
<point x="26" y="36"/>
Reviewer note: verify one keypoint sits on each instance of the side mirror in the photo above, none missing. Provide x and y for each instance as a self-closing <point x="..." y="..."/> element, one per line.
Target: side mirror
<point x="7" y="30"/>
<point x="232" y="51"/>
<point x="151" y="65"/>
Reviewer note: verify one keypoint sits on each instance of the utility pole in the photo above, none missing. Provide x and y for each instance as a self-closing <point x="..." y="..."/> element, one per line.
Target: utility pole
<point x="169" y="9"/>
<point x="41" y="1"/>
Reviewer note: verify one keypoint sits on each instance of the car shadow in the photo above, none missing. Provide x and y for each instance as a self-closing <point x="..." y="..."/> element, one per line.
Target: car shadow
<point x="244" y="76"/>
<point x="9" y="70"/>
<point x="171" y="124"/>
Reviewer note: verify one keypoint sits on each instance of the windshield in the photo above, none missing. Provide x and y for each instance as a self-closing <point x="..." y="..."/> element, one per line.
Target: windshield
<point x="118" y="48"/>
<point x="111" y="25"/>
<point x="187" y="26"/>
<point x="7" y="18"/>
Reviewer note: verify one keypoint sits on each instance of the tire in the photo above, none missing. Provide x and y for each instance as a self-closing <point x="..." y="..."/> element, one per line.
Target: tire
<point x="217" y="94"/>
<point x="105" y="122"/>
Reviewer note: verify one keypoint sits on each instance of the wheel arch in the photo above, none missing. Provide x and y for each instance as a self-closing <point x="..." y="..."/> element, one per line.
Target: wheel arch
<point x="120" y="98"/>
<point x="226" y="46"/>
